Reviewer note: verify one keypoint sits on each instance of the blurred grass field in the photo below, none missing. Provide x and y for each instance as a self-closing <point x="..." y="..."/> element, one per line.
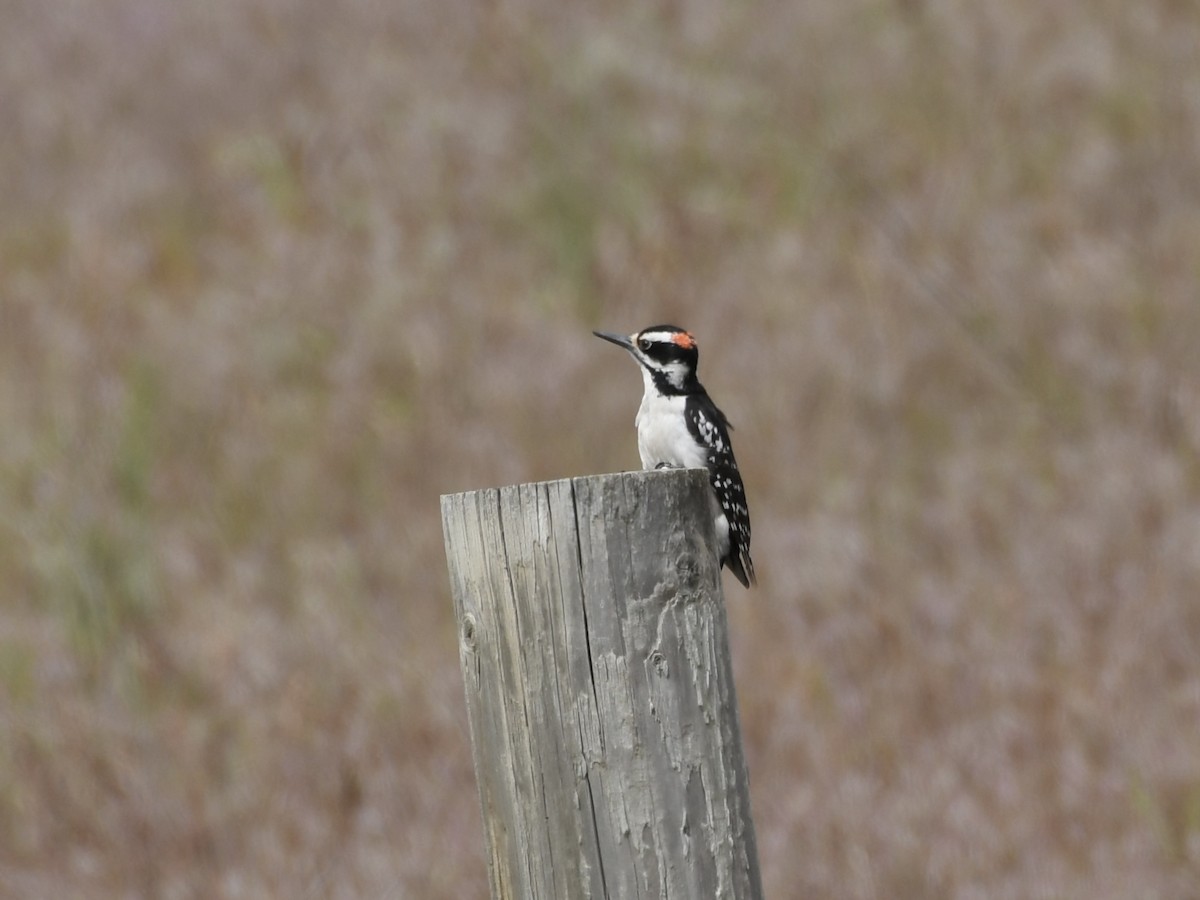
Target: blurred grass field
<point x="274" y="275"/>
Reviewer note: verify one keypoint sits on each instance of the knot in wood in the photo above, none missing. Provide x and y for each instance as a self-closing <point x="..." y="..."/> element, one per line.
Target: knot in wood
<point x="468" y="632"/>
<point x="660" y="664"/>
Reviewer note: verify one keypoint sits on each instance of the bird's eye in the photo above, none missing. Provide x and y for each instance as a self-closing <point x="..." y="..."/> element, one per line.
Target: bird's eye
<point x="643" y="345"/>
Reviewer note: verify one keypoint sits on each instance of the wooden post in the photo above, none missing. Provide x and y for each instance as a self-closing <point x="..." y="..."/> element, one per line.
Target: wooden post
<point x="604" y="726"/>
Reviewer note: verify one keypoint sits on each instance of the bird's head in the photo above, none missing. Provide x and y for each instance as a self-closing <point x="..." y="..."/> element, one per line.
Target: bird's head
<point x="667" y="353"/>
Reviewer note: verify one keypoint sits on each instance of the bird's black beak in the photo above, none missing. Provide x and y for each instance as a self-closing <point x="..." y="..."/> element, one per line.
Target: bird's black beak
<point x="619" y="339"/>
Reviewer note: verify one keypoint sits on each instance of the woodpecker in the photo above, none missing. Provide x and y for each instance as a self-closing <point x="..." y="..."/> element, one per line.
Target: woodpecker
<point x="678" y="426"/>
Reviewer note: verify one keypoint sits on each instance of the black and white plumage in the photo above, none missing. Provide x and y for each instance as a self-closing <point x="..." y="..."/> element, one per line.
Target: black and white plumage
<point x="678" y="426"/>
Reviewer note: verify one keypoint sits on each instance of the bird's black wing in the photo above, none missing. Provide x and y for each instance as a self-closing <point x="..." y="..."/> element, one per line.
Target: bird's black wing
<point x="708" y="425"/>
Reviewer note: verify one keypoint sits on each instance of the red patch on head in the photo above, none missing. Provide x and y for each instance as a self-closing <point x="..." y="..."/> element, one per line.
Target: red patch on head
<point x="684" y="340"/>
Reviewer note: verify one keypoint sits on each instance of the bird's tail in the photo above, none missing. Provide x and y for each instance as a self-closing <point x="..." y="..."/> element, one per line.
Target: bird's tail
<point x="742" y="567"/>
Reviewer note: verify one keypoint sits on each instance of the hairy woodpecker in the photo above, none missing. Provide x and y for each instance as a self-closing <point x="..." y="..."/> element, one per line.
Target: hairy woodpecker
<point x="679" y="426"/>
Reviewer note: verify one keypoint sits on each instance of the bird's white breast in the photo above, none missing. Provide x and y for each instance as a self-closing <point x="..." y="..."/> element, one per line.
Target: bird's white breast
<point x="663" y="435"/>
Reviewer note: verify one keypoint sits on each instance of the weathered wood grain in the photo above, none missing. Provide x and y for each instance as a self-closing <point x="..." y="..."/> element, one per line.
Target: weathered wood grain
<point x="595" y="657"/>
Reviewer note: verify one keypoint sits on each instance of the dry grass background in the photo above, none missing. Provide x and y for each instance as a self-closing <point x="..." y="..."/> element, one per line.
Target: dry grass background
<point x="273" y="275"/>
